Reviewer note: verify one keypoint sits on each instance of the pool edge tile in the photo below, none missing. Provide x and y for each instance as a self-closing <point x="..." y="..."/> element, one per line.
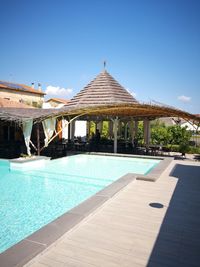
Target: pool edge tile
<point x="116" y="186"/>
<point x="89" y="205"/>
<point x="55" y="229"/>
<point x="154" y="174"/>
<point x="20" y="253"/>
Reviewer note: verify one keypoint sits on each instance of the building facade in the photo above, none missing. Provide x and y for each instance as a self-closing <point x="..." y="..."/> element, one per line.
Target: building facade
<point x="22" y="93"/>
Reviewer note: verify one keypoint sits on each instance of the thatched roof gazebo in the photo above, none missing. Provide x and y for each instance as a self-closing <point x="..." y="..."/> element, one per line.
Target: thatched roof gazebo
<point x="102" y="99"/>
<point x="103" y="90"/>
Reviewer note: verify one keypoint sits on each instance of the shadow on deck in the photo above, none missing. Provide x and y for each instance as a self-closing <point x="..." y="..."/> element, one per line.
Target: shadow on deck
<point x="178" y="242"/>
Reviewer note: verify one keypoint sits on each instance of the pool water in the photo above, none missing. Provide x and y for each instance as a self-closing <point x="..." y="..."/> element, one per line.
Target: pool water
<point x="31" y="199"/>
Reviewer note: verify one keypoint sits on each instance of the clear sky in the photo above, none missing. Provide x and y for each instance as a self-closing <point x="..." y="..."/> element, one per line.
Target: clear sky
<point x="152" y="47"/>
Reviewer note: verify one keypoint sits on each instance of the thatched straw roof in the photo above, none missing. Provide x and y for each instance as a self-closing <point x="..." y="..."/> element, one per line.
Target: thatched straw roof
<point x="134" y="110"/>
<point x="103" y="98"/>
<point x="22" y="114"/>
<point x="104" y="89"/>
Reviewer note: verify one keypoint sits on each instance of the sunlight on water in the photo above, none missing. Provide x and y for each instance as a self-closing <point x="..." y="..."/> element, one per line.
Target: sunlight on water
<point x="31" y="199"/>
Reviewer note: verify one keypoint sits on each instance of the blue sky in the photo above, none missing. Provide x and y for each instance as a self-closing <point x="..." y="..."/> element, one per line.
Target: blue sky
<point x="152" y="47"/>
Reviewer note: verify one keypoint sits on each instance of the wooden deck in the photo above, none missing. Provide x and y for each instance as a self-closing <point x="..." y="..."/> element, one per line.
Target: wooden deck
<point x="128" y="231"/>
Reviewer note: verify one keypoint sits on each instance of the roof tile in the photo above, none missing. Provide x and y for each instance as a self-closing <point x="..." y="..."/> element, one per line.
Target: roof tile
<point x="19" y="87"/>
<point x="59" y="100"/>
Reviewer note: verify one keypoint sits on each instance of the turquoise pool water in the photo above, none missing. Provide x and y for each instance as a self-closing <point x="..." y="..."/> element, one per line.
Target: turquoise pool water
<point x="30" y="199"/>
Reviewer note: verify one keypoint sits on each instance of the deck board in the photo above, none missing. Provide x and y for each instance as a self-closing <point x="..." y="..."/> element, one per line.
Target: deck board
<point x="126" y="231"/>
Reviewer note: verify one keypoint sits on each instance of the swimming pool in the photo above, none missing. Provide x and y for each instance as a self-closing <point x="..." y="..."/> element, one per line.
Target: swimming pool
<point x="31" y="199"/>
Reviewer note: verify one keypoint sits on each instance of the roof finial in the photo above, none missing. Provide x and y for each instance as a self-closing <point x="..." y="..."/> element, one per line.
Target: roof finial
<point x="104" y="64"/>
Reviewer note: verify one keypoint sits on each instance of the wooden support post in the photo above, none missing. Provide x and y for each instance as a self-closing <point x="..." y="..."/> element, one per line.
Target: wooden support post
<point x="69" y="132"/>
<point x="38" y="139"/>
<point x="72" y="130"/>
<point x="115" y="129"/>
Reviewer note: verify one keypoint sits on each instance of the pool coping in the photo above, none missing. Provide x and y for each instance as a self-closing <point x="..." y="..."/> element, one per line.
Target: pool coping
<point x="28" y="162"/>
<point x="29" y="159"/>
<point x="25" y="250"/>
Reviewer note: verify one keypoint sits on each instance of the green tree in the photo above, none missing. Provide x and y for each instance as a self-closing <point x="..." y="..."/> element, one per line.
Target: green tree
<point x="92" y="128"/>
<point x="159" y="133"/>
<point x="171" y="135"/>
<point x="105" y="130"/>
<point x="140" y="133"/>
<point x="179" y="135"/>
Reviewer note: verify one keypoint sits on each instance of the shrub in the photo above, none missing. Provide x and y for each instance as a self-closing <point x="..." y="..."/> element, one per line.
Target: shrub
<point x="173" y="148"/>
<point x="190" y="149"/>
<point x="194" y="150"/>
<point x="184" y="148"/>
